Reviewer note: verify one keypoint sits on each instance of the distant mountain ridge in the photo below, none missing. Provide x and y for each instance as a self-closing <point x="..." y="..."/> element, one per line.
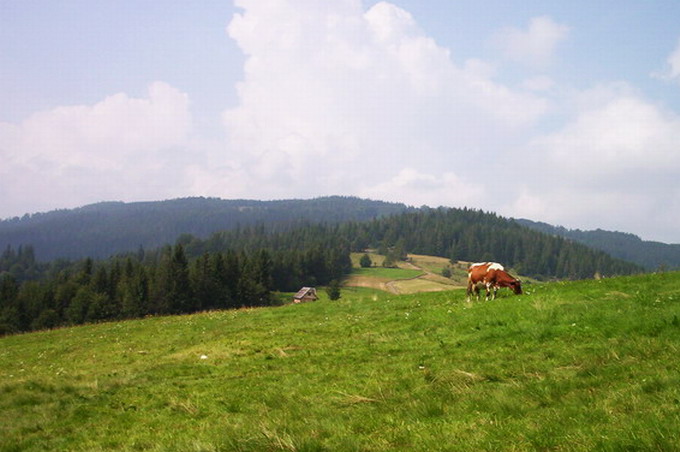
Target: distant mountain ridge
<point x="649" y="254"/>
<point x="103" y="229"/>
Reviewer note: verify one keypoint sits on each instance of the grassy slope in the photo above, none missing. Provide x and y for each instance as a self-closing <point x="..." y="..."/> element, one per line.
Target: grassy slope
<point x="419" y="274"/>
<point x="570" y="366"/>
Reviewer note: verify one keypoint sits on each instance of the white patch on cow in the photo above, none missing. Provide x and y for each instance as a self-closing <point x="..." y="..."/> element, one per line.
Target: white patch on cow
<point x="489" y="265"/>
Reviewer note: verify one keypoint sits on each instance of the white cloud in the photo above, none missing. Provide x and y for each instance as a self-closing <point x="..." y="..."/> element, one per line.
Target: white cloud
<point x="649" y="211"/>
<point x="415" y="188"/>
<point x="534" y="46"/>
<point x="624" y="135"/>
<point x="102" y="135"/>
<point x="613" y="165"/>
<point x="672" y="71"/>
<point x="85" y="153"/>
<point x="334" y="96"/>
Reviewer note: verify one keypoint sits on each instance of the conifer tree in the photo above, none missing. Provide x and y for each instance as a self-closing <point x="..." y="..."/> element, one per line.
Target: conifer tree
<point x="179" y="293"/>
<point x="133" y="291"/>
<point x="333" y="290"/>
<point x="10" y="313"/>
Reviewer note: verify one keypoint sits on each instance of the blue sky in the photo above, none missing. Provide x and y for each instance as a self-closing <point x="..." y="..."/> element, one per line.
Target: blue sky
<point x="565" y="112"/>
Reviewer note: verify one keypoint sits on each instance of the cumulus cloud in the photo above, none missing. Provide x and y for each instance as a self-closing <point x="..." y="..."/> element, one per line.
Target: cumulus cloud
<point x="85" y="153"/>
<point x="101" y="135"/>
<point x="613" y="163"/>
<point x="535" y="45"/>
<point x="334" y="96"/>
<point x="624" y="134"/>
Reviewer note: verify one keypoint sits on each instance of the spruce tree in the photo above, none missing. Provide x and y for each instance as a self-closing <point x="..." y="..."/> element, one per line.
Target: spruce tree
<point x="180" y="295"/>
<point x="333" y="290"/>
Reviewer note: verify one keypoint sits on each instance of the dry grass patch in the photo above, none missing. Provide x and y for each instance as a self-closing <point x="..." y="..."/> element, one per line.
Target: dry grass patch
<point x="417" y="285"/>
<point x="367" y="282"/>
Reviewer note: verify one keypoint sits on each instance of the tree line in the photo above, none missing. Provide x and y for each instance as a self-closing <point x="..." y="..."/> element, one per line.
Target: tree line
<point x="242" y="267"/>
<point x="457" y="234"/>
<point x="164" y="281"/>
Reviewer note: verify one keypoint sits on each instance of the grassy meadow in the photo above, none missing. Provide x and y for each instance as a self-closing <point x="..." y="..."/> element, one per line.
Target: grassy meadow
<point x="588" y="365"/>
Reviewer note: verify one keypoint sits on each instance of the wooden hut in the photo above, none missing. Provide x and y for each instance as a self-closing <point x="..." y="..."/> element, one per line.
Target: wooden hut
<point x="305" y="294"/>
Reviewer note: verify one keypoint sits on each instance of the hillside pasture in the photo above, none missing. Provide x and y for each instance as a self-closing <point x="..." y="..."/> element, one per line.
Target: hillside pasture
<point x="434" y="265"/>
<point x="589" y="365"/>
<point x="379" y="277"/>
<point x="417" y="274"/>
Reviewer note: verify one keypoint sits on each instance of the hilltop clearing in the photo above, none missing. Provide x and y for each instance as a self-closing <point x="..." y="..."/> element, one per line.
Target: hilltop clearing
<point x="587" y="365"/>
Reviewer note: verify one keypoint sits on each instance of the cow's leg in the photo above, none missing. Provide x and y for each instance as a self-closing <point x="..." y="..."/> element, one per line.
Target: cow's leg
<point x="488" y="290"/>
<point x="495" y="289"/>
<point x="468" y="293"/>
<point x="475" y="288"/>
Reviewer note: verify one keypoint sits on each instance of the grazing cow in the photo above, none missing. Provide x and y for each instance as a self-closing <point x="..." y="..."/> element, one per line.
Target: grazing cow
<point x="492" y="275"/>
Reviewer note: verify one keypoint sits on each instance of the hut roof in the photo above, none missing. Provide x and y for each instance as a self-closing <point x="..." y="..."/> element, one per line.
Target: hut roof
<point x="304" y="291"/>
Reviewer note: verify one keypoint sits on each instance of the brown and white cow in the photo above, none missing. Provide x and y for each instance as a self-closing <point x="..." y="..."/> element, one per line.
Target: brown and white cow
<point x="492" y="275"/>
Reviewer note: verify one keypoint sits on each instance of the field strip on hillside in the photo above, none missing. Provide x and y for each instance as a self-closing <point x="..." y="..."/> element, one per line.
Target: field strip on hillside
<point x="425" y="281"/>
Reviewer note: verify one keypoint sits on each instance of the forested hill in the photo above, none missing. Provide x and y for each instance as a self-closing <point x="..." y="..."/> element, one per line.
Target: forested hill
<point x="629" y="247"/>
<point x="103" y="229"/>
<point x="457" y="234"/>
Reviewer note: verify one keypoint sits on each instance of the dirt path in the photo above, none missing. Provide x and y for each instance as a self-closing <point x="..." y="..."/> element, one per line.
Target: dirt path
<point x="391" y="285"/>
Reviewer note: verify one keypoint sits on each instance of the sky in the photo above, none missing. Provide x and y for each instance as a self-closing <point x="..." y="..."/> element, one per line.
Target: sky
<point x="562" y="112"/>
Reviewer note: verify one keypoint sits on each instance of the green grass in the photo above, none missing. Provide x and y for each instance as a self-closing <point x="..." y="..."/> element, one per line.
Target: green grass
<point x="569" y="366"/>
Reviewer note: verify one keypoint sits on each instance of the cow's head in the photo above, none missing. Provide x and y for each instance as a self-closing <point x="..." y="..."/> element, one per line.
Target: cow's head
<point x="516" y="286"/>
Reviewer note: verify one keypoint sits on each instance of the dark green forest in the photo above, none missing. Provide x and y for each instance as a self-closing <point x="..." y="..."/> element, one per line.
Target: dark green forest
<point x="651" y="255"/>
<point x="244" y="266"/>
<point x="36" y="296"/>
<point x="474" y="235"/>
